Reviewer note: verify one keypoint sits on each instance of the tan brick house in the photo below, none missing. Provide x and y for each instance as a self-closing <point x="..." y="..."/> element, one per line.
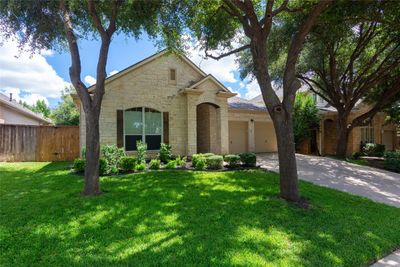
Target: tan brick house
<point x="167" y="98"/>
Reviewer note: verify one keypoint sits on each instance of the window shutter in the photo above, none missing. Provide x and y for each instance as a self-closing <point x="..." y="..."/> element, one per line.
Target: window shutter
<point x="166" y="127"/>
<point x="120" y="128"/>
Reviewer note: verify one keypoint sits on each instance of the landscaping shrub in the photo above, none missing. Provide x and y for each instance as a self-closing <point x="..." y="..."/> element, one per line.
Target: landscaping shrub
<point x="200" y="163"/>
<point x="215" y="162"/>
<point x="248" y="159"/>
<point x="373" y="150"/>
<point x="232" y="160"/>
<point x="154" y="164"/>
<point x="171" y="164"/>
<point x="141" y="149"/>
<point x="356" y="155"/>
<point x="103" y="167"/>
<point x="195" y="158"/>
<point x="206" y="155"/>
<point x="79" y="165"/>
<point x="140" y="166"/>
<point x="181" y="162"/>
<point x="127" y="164"/>
<point x="392" y="160"/>
<point x="165" y="154"/>
<point x="112" y="154"/>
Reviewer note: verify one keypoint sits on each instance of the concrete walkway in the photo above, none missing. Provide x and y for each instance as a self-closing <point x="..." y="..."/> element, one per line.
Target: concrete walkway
<point x="378" y="185"/>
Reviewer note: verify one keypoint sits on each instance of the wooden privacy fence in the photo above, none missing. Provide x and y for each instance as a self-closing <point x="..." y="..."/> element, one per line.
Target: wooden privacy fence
<point x="38" y="143"/>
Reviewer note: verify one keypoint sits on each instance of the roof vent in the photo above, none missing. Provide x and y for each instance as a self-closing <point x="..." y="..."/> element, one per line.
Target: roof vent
<point x="11" y="97"/>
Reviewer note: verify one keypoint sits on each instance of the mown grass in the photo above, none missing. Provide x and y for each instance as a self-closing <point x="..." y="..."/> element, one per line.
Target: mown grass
<point x="184" y="218"/>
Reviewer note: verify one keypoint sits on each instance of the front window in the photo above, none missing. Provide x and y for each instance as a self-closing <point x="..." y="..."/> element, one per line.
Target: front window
<point x="367" y="134"/>
<point x="142" y="124"/>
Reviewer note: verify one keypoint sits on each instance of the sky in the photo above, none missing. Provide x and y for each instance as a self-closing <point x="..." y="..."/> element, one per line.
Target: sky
<point x="43" y="75"/>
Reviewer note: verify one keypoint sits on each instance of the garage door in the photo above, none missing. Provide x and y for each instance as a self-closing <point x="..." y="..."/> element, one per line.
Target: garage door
<point x="237" y="137"/>
<point x="265" y="139"/>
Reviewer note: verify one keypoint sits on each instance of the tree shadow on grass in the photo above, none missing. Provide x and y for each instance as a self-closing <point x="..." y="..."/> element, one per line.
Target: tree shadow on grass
<point x="190" y="218"/>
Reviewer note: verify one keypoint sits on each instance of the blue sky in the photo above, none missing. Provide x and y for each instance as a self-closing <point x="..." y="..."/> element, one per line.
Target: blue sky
<point x="43" y="76"/>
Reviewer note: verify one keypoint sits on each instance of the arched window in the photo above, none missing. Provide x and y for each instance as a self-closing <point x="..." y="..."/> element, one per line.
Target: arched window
<point x="143" y="124"/>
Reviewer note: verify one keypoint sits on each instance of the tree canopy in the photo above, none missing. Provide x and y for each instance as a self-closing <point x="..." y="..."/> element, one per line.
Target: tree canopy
<point x="305" y="117"/>
<point x="66" y="113"/>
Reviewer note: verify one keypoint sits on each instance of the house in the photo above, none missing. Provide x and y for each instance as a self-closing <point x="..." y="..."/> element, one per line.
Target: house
<point x="12" y="112"/>
<point x="167" y="98"/>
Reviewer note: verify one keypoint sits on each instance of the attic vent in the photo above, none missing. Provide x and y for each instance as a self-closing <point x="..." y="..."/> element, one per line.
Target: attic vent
<point x="172" y="75"/>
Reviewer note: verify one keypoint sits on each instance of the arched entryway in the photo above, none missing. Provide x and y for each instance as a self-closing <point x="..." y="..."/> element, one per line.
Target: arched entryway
<point x="329" y="137"/>
<point x="208" y="139"/>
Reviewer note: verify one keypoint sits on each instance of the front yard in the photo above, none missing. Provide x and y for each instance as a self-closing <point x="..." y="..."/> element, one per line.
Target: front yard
<point x="180" y="218"/>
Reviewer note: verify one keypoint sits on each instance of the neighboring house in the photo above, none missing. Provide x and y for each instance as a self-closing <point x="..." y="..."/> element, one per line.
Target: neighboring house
<point x="12" y="112"/>
<point x="166" y="98"/>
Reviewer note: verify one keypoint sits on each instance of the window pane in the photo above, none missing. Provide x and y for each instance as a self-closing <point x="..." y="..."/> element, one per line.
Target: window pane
<point x="152" y="122"/>
<point x="153" y="142"/>
<point x="372" y="135"/>
<point x="133" y="122"/>
<point x="130" y="142"/>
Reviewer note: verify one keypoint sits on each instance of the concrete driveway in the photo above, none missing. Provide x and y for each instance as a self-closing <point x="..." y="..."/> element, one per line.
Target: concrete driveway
<point x="378" y="185"/>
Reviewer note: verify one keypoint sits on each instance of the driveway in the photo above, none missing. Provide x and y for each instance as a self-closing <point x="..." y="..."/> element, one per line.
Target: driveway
<point x="378" y="185"/>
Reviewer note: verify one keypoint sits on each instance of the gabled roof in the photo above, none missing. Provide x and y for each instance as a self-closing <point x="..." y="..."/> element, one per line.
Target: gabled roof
<point x="20" y="108"/>
<point x="245" y="104"/>
<point x="147" y="60"/>
<point x="212" y="78"/>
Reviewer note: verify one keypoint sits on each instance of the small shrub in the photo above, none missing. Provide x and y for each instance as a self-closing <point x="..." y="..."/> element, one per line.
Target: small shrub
<point x="201" y="163"/>
<point x="195" y="158"/>
<point x="356" y="155"/>
<point x="181" y="162"/>
<point x="127" y="164"/>
<point x="165" y="154"/>
<point x="154" y="164"/>
<point x="112" y="154"/>
<point x="232" y="160"/>
<point x="215" y="162"/>
<point x="103" y="167"/>
<point x="248" y="159"/>
<point x="83" y="155"/>
<point x="392" y="160"/>
<point x="140" y="166"/>
<point x="79" y="165"/>
<point x="206" y="155"/>
<point x="373" y="150"/>
<point x="171" y="164"/>
<point x="141" y="149"/>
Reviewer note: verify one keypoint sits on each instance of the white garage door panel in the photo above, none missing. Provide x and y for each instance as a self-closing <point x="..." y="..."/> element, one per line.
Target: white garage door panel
<point x="265" y="139"/>
<point x="237" y="137"/>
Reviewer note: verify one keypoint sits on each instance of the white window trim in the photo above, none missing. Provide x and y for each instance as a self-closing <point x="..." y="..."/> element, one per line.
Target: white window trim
<point x="143" y="129"/>
<point x="367" y="129"/>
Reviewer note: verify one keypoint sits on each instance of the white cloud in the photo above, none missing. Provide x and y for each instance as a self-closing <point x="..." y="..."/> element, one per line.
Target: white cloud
<point x="31" y="74"/>
<point x="113" y="72"/>
<point x="28" y="98"/>
<point x="253" y="89"/>
<point x="89" y="80"/>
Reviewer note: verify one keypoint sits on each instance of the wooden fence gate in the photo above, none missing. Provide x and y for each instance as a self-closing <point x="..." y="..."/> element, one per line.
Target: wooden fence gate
<point x="38" y="143"/>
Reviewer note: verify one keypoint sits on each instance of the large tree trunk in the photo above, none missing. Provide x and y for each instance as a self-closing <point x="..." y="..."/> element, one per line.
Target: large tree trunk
<point x="342" y="136"/>
<point x="92" y="183"/>
<point x="287" y="160"/>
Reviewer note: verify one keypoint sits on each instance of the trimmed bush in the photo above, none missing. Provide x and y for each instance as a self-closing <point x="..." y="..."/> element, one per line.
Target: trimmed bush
<point x="103" y="167"/>
<point x="248" y="159"/>
<point x="195" y="158"/>
<point x="206" y="155"/>
<point x="232" y="160"/>
<point x="154" y="164"/>
<point x="141" y="150"/>
<point x="171" y="164"/>
<point x="392" y="160"/>
<point x="79" y="165"/>
<point x="140" y="166"/>
<point x="181" y="162"/>
<point x="201" y="163"/>
<point x="112" y="154"/>
<point x="127" y="164"/>
<point x="215" y="162"/>
<point x="165" y="154"/>
<point x="373" y="150"/>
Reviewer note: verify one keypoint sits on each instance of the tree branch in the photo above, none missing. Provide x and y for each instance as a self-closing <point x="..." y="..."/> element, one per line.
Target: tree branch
<point x="234" y="51"/>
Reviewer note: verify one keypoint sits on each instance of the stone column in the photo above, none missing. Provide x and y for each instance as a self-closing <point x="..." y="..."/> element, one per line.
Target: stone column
<point x="251" y="136"/>
<point x="191" y="145"/>
<point x="223" y="128"/>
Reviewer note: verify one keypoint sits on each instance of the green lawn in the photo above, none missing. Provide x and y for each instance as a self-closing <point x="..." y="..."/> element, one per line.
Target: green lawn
<point x="186" y="218"/>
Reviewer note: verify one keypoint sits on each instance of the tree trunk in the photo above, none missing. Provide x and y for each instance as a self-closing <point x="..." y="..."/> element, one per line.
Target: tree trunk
<point x="342" y="137"/>
<point x="92" y="183"/>
<point x="287" y="160"/>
